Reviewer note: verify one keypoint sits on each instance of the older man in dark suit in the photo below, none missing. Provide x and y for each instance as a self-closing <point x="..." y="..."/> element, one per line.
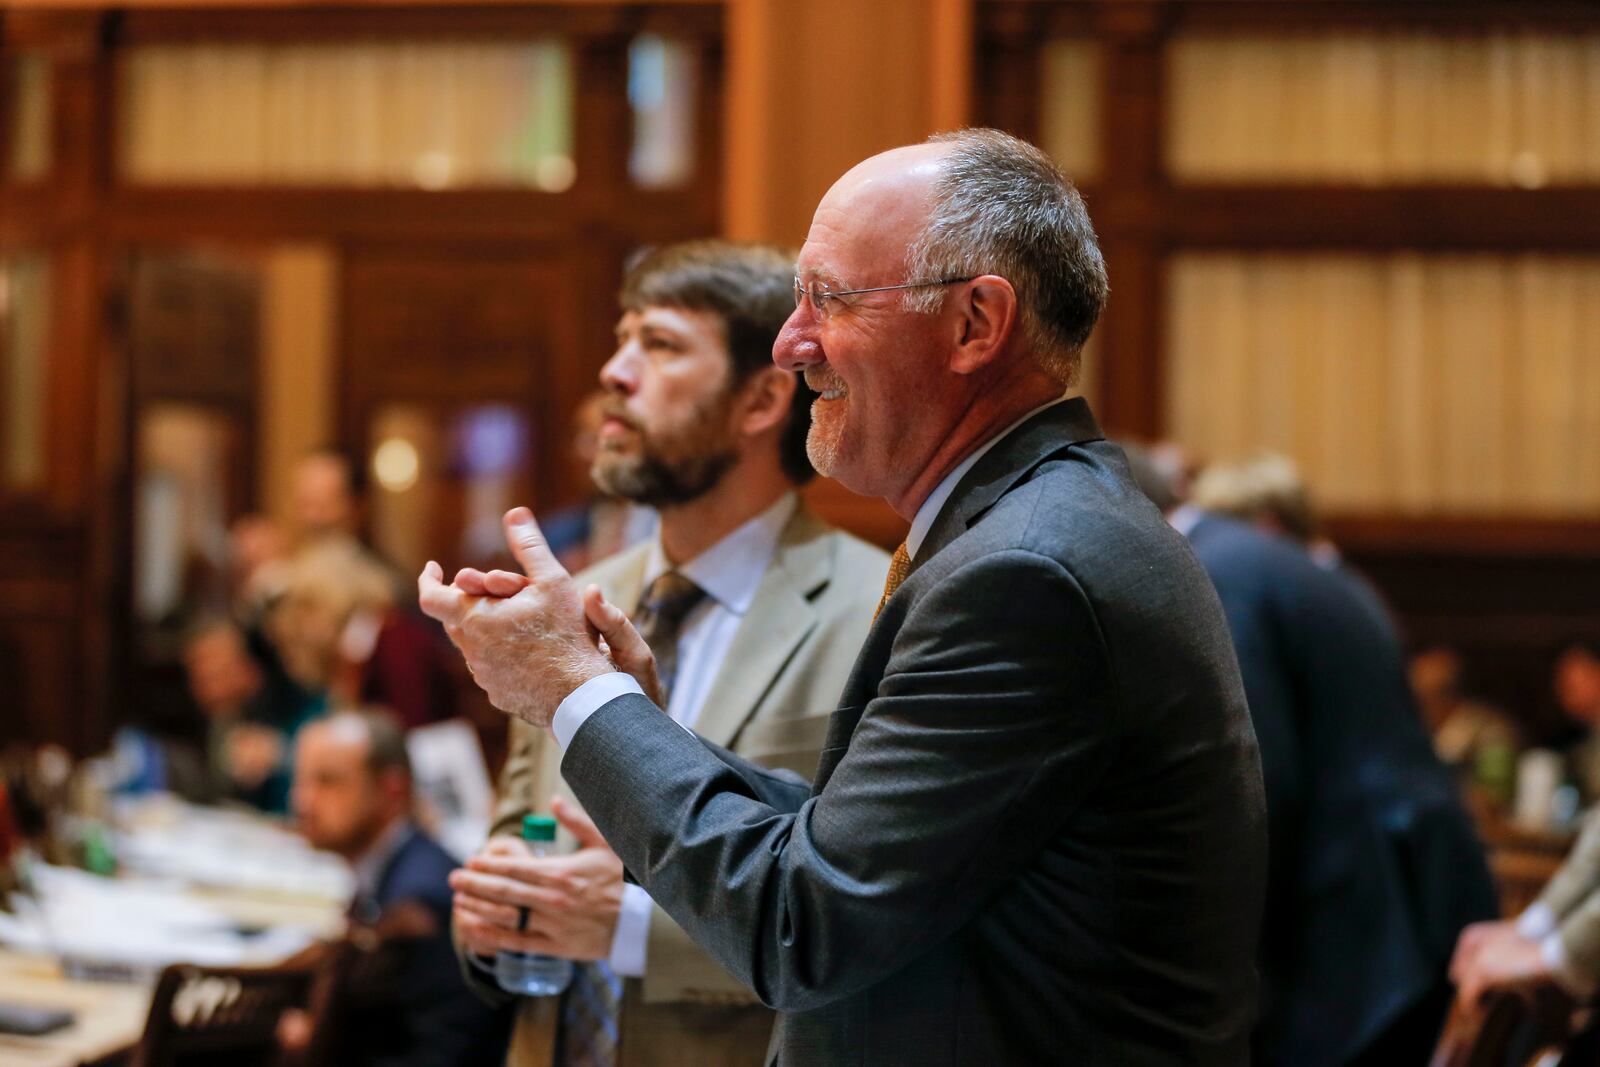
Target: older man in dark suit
<point x="1037" y="831"/>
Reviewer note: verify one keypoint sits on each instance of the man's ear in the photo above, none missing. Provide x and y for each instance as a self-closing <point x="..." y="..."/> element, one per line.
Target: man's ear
<point x="395" y="785"/>
<point x="764" y="400"/>
<point x="986" y="317"/>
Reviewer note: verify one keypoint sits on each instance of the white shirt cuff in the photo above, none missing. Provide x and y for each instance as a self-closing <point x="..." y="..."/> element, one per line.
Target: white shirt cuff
<point x="1537" y="922"/>
<point x="587" y="699"/>
<point x="1567" y="974"/>
<point x="630" y="942"/>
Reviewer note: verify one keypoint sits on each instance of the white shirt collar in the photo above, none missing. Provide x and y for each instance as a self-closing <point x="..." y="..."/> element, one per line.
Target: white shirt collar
<point x="1184" y="518"/>
<point x="731" y="570"/>
<point x="922" y="522"/>
<point x="370" y="866"/>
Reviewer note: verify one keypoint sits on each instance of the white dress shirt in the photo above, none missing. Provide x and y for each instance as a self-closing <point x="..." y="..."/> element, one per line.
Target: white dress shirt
<point x="730" y="572"/>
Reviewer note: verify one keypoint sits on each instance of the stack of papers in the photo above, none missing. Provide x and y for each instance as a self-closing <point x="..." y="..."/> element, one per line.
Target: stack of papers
<point x="133" y="927"/>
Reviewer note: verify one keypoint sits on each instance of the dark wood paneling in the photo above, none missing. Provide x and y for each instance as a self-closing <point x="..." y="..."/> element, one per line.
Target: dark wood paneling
<point x="1504" y="592"/>
<point x="42" y="664"/>
<point x="1063" y="18"/>
<point x="1425" y="218"/>
<point x="86" y="219"/>
<point x="1506" y="613"/>
<point x="386" y="21"/>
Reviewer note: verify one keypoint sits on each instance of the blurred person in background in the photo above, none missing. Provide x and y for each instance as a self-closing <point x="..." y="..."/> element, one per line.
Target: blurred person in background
<point x="250" y="715"/>
<point x="1375" y="867"/>
<point x="602" y="525"/>
<point x="1575" y="688"/>
<point x="326" y="507"/>
<point x="773" y="607"/>
<point x="1267" y="491"/>
<point x="1555" y="942"/>
<point x="406" y="1004"/>
<point x="1468" y="733"/>
<point x="323" y="498"/>
<point x="343" y="636"/>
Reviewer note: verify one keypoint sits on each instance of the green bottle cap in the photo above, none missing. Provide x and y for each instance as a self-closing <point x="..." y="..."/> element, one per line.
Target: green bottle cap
<point x="538" y="828"/>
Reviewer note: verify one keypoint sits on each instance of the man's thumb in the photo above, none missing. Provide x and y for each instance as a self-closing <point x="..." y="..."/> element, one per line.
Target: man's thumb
<point x="578" y="824"/>
<point x="527" y="544"/>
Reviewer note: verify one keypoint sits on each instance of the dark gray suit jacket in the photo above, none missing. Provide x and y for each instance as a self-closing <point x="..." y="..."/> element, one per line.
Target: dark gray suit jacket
<point x="1037" y="833"/>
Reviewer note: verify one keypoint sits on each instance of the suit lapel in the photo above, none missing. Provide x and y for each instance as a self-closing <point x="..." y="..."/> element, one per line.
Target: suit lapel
<point x="1047" y="434"/>
<point x="625" y="587"/>
<point x="780" y="617"/>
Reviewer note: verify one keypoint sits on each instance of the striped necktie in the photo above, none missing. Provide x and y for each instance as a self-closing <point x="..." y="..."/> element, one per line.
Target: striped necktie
<point x="592" y="1006"/>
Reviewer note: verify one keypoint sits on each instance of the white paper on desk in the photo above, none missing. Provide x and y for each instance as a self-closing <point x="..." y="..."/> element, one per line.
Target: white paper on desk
<point x="137" y="924"/>
<point x="221" y="849"/>
<point x="453" y="782"/>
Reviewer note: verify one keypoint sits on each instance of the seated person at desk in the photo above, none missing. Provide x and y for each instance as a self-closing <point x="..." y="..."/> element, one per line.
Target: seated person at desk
<point x="1555" y="942"/>
<point x="407" y="1003"/>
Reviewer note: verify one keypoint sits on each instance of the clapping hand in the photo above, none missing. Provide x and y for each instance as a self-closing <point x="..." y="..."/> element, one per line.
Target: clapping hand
<point x="529" y="639"/>
<point x="529" y="649"/>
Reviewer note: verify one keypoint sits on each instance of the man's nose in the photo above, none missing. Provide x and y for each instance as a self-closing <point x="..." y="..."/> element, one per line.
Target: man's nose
<point x="797" y="347"/>
<point x="618" y="373"/>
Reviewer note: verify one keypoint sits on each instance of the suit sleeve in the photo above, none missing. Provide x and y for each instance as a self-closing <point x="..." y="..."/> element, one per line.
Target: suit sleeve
<point x="780" y="789"/>
<point x="994" y="717"/>
<point x="1577" y="880"/>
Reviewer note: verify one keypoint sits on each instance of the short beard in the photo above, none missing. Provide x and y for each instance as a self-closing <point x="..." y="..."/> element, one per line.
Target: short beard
<point x="658" y="483"/>
<point x="822" y="447"/>
<point x="685" y="467"/>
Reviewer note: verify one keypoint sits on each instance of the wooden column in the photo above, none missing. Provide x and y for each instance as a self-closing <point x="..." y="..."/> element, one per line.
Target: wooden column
<point x="815" y="88"/>
<point x="1130" y="183"/>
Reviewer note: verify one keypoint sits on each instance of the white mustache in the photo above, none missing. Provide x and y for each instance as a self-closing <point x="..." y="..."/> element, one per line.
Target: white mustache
<point x="824" y="381"/>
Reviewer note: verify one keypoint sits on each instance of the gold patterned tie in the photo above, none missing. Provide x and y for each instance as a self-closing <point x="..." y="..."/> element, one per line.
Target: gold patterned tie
<point x="899" y="567"/>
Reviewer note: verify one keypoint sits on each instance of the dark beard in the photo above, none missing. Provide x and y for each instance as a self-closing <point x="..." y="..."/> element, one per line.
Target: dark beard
<point x="658" y="483"/>
<point x="692" y="463"/>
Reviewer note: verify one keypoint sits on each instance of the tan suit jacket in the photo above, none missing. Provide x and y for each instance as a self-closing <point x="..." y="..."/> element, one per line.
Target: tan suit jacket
<point x="1573" y="897"/>
<point x="770" y="702"/>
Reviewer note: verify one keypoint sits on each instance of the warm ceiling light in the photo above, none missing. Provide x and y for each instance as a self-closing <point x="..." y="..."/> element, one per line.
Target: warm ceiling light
<point x="395" y="464"/>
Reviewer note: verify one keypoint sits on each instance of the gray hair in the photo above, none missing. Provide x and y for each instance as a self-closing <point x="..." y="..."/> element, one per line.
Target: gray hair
<point x="1001" y="206"/>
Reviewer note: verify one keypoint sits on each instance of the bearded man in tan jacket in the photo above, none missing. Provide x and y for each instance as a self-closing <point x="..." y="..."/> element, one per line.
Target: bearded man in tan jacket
<point x="756" y="610"/>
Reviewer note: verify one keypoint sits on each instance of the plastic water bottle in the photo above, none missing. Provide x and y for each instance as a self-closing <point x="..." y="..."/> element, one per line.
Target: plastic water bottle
<point x="529" y="974"/>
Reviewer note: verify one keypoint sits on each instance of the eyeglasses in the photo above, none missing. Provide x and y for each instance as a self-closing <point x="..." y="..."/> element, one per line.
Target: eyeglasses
<point x="824" y="300"/>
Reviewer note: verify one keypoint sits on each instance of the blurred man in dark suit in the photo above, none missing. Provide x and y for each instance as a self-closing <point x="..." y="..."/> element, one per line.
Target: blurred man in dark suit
<point x="1036" y="834"/>
<point x="406" y="1004"/>
<point x="1374" y="864"/>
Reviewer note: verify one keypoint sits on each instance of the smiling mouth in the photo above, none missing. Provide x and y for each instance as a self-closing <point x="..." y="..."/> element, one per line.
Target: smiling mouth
<point x="826" y="386"/>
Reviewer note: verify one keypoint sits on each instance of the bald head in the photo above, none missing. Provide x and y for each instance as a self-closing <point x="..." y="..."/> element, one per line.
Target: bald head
<point x="952" y="285"/>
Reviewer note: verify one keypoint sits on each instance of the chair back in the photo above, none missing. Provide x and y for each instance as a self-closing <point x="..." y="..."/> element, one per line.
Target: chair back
<point x="365" y="953"/>
<point x="1510" y="1028"/>
<point x="199" y="1015"/>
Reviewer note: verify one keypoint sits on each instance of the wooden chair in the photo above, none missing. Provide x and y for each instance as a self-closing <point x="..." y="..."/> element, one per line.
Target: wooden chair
<point x="351" y="960"/>
<point x="199" y="1015"/>
<point x="1512" y="1029"/>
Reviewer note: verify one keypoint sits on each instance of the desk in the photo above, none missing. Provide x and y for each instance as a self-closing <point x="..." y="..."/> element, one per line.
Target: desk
<point x="110" y="1015"/>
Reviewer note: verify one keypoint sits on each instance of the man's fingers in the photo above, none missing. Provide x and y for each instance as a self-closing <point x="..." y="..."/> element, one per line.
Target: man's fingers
<point x="485" y="938"/>
<point x="528" y="546"/>
<point x="504" y="916"/>
<point x="499" y="889"/>
<point x="625" y="647"/>
<point x="470" y="581"/>
<point x="578" y="824"/>
<point x="504" y="583"/>
<point x="504" y="845"/>
<point x="437" y="600"/>
<point x="546" y="875"/>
